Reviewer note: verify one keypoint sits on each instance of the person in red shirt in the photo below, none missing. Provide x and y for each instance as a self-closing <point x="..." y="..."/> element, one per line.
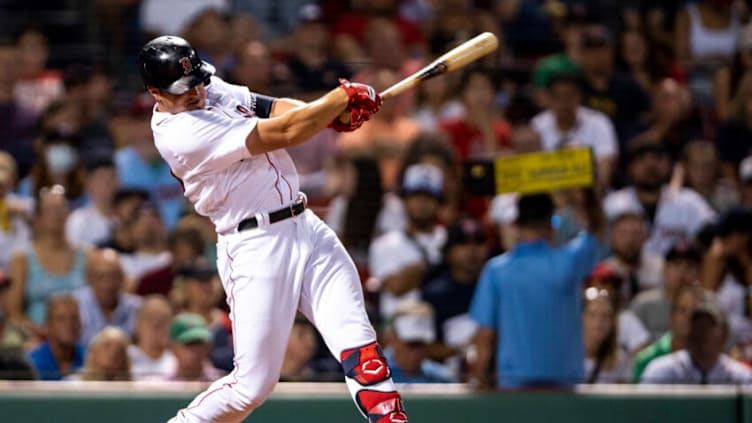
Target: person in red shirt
<point x="481" y="132"/>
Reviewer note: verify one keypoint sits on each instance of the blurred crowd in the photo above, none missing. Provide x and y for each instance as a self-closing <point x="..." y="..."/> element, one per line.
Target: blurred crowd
<point x="107" y="273"/>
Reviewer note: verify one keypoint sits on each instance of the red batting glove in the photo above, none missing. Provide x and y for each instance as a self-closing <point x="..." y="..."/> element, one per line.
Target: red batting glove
<point x="357" y="118"/>
<point x="361" y="96"/>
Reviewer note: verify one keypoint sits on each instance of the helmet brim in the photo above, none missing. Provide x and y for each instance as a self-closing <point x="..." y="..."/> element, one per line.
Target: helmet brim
<point x="201" y="74"/>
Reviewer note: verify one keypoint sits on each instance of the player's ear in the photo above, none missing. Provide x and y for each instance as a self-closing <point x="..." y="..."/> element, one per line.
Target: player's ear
<point x="155" y="92"/>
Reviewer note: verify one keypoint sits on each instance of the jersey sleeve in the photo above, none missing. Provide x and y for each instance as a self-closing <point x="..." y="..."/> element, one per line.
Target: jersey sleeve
<point x="484" y="306"/>
<point x="211" y="141"/>
<point x="259" y="105"/>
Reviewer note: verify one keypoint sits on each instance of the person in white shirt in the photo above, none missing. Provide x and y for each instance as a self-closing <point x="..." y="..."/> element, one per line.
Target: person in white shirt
<point x="274" y="257"/>
<point x="399" y="259"/>
<point x="151" y="359"/>
<point x="93" y="223"/>
<point x="149" y="238"/>
<point x="703" y="362"/>
<point x="672" y="213"/>
<point x="567" y="123"/>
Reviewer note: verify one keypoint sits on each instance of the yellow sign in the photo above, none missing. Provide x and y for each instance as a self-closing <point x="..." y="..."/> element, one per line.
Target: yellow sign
<point x="545" y="171"/>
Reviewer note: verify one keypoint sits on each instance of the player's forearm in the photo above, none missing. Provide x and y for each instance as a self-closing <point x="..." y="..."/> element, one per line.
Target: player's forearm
<point x="297" y="124"/>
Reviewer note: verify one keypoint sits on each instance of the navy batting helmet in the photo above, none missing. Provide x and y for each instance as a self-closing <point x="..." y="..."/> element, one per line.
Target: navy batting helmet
<point x="170" y="64"/>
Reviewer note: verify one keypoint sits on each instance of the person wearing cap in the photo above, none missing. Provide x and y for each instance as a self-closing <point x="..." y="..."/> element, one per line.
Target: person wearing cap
<point x="196" y="289"/>
<point x="190" y="342"/>
<point x="653" y="307"/>
<point x="15" y="212"/>
<point x="528" y="300"/>
<point x="102" y="301"/>
<point x="139" y="165"/>
<point x="686" y="299"/>
<point x="93" y="223"/>
<point x="702" y="362"/>
<point x="567" y="122"/>
<point x="617" y="95"/>
<point x="672" y="213"/>
<point x="412" y="332"/>
<point x="399" y="258"/>
<point x="727" y="269"/>
<point x="449" y="287"/>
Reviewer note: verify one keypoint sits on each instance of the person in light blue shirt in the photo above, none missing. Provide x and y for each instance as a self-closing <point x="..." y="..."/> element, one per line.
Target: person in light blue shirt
<point x="528" y="301"/>
<point x="140" y="166"/>
<point x="60" y="354"/>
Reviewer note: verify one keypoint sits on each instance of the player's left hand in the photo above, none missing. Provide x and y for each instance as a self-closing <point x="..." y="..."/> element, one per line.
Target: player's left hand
<point x="350" y="120"/>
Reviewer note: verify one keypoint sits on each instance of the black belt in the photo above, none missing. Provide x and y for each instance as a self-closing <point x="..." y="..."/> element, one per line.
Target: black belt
<point x="293" y="210"/>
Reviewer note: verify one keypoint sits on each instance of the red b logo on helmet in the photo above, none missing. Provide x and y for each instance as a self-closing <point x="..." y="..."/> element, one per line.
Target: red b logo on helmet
<point x="187" y="65"/>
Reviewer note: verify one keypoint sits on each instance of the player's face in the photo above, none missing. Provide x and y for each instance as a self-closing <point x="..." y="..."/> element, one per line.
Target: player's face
<point x="193" y="99"/>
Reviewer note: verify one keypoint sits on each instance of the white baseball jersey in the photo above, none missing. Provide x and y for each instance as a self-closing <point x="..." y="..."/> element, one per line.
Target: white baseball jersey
<point x="680" y="214"/>
<point x="206" y="150"/>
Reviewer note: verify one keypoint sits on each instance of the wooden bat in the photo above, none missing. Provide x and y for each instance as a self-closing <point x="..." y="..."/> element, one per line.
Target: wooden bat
<point x="454" y="59"/>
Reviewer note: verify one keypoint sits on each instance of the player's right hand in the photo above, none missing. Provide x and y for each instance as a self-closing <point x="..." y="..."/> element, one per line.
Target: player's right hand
<point x="361" y="97"/>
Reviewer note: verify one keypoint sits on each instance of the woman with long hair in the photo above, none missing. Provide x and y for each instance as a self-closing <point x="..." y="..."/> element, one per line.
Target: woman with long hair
<point x="605" y="362"/>
<point x="107" y="357"/>
<point x="48" y="266"/>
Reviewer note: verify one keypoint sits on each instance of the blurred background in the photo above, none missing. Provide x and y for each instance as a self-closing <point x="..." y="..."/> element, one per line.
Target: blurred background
<point x="108" y="274"/>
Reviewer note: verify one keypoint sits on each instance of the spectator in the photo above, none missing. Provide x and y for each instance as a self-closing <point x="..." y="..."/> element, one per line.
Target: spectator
<point x="125" y="203"/>
<point x="672" y="214"/>
<point x="60" y="354"/>
<point x="745" y="183"/>
<point x="300" y="363"/>
<point x="653" y="307"/>
<point x="639" y="269"/>
<point x="729" y="78"/>
<point x="686" y="299"/>
<point x="11" y="336"/>
<point x="480" y="132"/>
<point x="254" y="67"/>
<point x="703" y="174"/>
<point x="503" y="215"/>
<point x="436" y="103"/>
<point x="15" y="211"/>
<point x="400" y="258"/>
<point x="734" y="137"/>
<point x="449" y="288"/>
<point x="605" y="361"/>
<point x="197" y="290"/>
<point x="313" y="69"/>
<point x="705" y="38"/>
<point x="385" y="138"/>
<point x="209" y="31"/>
<point x="49" y="265"/>
<point x="528" y="288"/>
<point x="703" y="361"/>
<point x="277" y="19"/>
<point x="636" y="59"/>
<point x="18" y="126"/>
<point x="107" y="357"/>
<point x="58" y="164"/>
<point x="172" y="17"/>
<point x="727" y="269"/>
<point x="631" y="335"/>
<point x="93" y="223"/>
<point x="150" y="251"/>
<point x="190" y="341"/>
<point x="140" y="166"/>
<point x="37" y="86"/>
<point x="407" y="353"/>
<point x="617" y="95"/>
<point x="149" y="355"/>
<point x="102" y="302"/>
<point x="566" y="122"/>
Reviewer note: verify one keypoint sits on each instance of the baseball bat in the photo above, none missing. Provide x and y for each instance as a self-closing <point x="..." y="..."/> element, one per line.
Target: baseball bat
<point x="454" y="59"/>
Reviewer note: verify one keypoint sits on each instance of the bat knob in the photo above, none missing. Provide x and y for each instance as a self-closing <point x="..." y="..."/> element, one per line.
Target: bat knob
<point x="344" y="117"/>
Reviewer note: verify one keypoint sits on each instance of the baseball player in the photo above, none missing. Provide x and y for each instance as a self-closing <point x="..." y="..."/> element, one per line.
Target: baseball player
<point x="226" y="145"/>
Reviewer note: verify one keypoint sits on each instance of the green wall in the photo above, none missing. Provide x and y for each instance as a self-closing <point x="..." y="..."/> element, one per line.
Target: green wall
<point x="496" y="407"/>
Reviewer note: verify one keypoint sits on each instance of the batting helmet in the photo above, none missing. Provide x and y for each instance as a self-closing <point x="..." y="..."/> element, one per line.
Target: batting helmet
<point x="170" y="64"/>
